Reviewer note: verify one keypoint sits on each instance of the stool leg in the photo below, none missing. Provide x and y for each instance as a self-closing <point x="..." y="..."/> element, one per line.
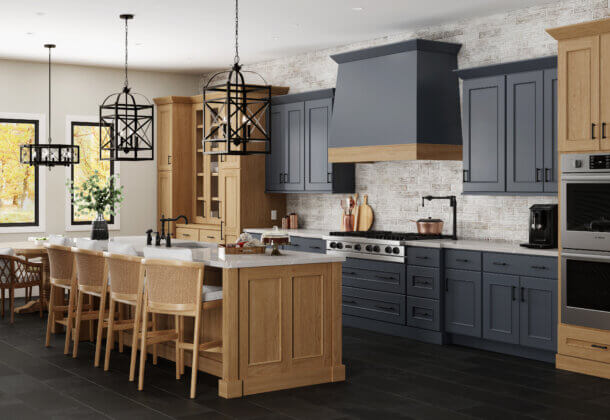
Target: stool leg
<point x="121" y="317"/>
<point x="3" y="294"/>
<point x="11" y="293"/>
<point x="90" y="323"/>
<point x="79" y="315"/>
<point x="178" y="341"/>
<point x="41" y="301"/>
<point x="51" y="317"/>
<point x="100" y="329"/>
<point x="143" y="350"/>
<point x="134" y="341"/>
<point x="72" y="297"/>
<point x="195" y="363"/>
<point x="109" y="334"/>
<point x="154" y="328"/>
<point x="182" y="350"/>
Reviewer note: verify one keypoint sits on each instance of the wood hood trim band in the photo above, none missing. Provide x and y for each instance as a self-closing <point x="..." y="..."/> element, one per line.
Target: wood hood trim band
<point x="395" y="152"/>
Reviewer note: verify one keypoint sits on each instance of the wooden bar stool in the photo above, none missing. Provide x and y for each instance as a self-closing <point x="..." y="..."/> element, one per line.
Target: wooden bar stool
<point x="92" y="280"/>
<point x="62" y="277"/>
<point x="175" y="288"/>
<point x="17" y="273"/>
<point x="126" y="286"/>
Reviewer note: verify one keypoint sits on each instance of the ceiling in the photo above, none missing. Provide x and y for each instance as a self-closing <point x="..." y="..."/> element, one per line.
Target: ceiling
<point x="195" y="36"/>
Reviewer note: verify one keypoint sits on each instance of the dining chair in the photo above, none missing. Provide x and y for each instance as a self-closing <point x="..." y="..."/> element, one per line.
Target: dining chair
<point x="62" y="278"/>
<point x="126" y="286"/>
<point x="176" y="288"/>
<point x="92" y="280"/>
<point x="17" y="273"/>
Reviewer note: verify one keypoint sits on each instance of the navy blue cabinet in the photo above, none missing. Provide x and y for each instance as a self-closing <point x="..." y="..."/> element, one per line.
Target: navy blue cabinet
<point x="538" y="313"/>
<point x="501" y="308"/>
<point x="463" y="302"/>
<point x="299" y="146"/>
<point x="509" y="114"/>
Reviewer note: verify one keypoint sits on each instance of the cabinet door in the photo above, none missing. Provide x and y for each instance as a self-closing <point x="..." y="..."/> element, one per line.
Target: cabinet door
<point x="550" y="130"/>
<point x="318" y="171"/>
<point x="229" y="202"/>
<point x="604" y="91"/>
<point x="294" y="166"/>
<point x="164" y="196"/>
<point x="463" y="302"/>
<point x="164" y="137"/>
<point x="501" y="308"/>
<point x="538" y="313"/>
<point x="484" y="134"/>
<point x="275" y="160"/>
<point x="578" y="66"/>
<point x="524" y="132"/>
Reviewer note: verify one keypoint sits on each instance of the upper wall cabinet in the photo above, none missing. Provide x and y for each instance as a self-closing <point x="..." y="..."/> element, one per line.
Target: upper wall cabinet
<point x="509" y="127"/>
<point x="299" y="146"/>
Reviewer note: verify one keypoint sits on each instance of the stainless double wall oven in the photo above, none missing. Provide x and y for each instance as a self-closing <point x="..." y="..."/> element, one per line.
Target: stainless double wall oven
<point x="585" y="240"/>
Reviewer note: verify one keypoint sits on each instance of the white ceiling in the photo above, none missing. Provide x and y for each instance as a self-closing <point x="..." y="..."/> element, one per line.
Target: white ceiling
<point x="197" y="35"/>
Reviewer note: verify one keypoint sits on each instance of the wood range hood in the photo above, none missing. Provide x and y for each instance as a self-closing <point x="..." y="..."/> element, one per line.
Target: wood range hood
<point x="397" y="102"/>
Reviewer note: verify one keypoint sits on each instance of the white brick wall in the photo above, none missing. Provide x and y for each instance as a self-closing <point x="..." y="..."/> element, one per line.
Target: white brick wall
<point x="395" y="188"/>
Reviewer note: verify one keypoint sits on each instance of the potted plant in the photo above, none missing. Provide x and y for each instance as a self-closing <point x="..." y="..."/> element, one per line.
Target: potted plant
<point x="97" y="196"/>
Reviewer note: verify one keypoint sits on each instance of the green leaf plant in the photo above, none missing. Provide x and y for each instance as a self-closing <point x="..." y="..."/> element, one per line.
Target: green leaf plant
<point x="97" y="196"/>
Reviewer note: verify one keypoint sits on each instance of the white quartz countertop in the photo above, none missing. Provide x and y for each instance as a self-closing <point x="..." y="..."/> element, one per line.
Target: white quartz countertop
<point x="208" y="254"/>
<point x="466" y="244"/>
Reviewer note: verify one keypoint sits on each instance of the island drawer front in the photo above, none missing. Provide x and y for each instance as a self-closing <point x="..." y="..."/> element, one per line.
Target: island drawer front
<point x="209" y="235"/>
<point x="423" y="313"/>
<point x="521" y="265"/>
<point x="374" y="275"/>
<point x="463" y="260"/>
<point x="584" y="343"/>
<point x="389" y="307"/>
<point x="423" y="281"/>
<point x="428" y="257"/>
<point x="187" y="233"/>
<point x="300" y="243"/>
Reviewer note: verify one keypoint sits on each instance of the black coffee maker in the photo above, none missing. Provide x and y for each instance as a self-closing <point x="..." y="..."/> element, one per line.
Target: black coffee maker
<point x="543" y="226"/>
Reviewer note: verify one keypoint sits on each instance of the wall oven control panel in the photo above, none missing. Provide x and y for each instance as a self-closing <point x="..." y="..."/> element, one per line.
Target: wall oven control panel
<point x="599" y="162"/>
<point x="583" y="163"/>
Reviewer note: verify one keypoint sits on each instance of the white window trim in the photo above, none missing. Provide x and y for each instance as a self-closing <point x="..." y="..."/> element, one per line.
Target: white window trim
<point x="68" y="209"/>
<point x="42" y="176"/>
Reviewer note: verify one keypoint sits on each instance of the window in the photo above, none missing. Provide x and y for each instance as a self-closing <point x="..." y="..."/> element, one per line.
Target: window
<point x="87" y="136"/>
<point x="19" y="184"/>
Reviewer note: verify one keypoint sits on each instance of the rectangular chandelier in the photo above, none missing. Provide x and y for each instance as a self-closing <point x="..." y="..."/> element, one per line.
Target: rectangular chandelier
<point x="49" y="154"/>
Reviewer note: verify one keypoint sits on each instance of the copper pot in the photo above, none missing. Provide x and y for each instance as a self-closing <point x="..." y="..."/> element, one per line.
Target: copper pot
<point x="429" y="226"/>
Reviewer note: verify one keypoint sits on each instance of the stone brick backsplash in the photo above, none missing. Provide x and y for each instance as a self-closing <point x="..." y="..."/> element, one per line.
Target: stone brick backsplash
<point x="395" y="188"/>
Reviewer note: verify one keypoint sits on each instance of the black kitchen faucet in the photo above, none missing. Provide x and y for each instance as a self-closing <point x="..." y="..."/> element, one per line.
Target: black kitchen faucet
<point x="452" y="203"/>
<point x="167" y="237"/>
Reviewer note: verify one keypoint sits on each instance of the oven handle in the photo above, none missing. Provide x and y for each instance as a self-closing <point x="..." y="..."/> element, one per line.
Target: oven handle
<point x="569" y="177"/>
<point x="593" y="257"/>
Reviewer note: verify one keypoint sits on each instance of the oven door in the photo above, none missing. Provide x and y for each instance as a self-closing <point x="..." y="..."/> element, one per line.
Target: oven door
<point x="585" y="289"/>
<point x="585" y="211"/>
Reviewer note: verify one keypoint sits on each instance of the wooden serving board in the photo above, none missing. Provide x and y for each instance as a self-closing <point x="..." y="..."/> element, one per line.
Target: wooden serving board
<point x="245" y="250"/>
<point x="365" y="215"/>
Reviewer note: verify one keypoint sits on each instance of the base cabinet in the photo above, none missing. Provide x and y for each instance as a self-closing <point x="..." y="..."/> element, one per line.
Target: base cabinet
<point x="463" y="302"/>
<point x="500" y="308"/>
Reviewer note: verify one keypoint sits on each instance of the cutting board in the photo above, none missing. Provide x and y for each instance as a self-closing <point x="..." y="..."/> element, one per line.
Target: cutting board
<point x="356" y="213"/>
<point x="365" y="215"/>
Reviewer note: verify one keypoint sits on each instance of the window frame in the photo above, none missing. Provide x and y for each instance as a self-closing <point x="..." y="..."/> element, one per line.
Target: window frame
<point x="71" y="226"/>
<point x="40" y="176"/>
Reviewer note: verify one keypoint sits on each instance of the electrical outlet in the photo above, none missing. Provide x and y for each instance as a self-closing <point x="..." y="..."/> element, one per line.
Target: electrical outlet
<point x="273" y="214"/>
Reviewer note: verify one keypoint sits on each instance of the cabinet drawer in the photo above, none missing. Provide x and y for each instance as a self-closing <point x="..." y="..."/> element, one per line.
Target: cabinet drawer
<point x="187" y="233"/>
<point x="208" y="235"/>
<point x="389" y="307"/>
<point x="429" y="257"/>
<point x="463" y="260"/>
<point x="522" y="265"/>
<point x="374" y="275"/>
<point x="584" y="343"/>
<point x="423" y="281"/>
<point x="423" y="313"/>
<point x="299" y="243"/>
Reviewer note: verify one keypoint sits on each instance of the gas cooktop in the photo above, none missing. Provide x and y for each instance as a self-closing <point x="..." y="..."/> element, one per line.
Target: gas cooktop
<point x="388" y="235"/>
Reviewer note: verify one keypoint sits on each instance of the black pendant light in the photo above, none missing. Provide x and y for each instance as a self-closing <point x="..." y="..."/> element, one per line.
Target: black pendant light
<point x="236" y="113"/>
<point x="129" y="134"/>
<point x="49" y="154"/>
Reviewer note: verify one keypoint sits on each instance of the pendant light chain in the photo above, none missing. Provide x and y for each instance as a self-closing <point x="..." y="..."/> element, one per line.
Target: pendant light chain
<point x="126" y="52"/>
<point x="236" y="58"/>
<point x="49" y="136"/>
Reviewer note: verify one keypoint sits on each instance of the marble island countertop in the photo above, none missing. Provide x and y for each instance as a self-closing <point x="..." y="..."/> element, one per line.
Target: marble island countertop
<point x="466" y="244"/>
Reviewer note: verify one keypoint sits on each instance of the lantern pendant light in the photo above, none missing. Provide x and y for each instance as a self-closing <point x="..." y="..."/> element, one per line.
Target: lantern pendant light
<point x="49" y="154"/>
<point x="126" y="126"/>
<point x="235" y="120"/>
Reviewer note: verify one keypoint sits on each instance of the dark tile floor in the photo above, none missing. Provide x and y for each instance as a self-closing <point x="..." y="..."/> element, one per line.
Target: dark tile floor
<point x="388" y="378"/>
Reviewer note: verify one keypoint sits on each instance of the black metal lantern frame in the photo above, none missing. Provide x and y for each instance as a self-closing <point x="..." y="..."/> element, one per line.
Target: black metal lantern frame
<point x="131" y="134"/>
<point x="49" y="154"/>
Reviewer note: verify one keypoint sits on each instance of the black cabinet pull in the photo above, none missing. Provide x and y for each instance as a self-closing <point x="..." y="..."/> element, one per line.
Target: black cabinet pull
<point x="523" y="294"/>
<point x="419" y="257"/>
<point x="538" y="171"/>
<point x="597" y="346"/>
<point x="385" y="277"/>
<point x="513" y="292"/>
<point x="446" y="285"/>
<point x="281" y="178"/>
<point x="465" y="175"/>
<point x="424" y="283"/>
<point x="464" y="260"/>
<point x="499" y="263"/>
<point x="592" y="131"/>
<point x="349" y="273"/>
<point x="387" y="308"/>
<point x="169" y="159"/>
<point x="538" y="267"/>
<point x="353" y="302"/>
<point x="329" y="177"/>
<point x="547" y="173"/>
<point x="221" y="238"/>
<point x="604" y="130"/>
<point x="210" y="236"/>
<point x="314" y="247"/>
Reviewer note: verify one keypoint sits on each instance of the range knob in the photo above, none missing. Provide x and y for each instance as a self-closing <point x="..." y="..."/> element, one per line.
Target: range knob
<point x="376" y="248"/>
<point x="369" y="248"/>
<point x="339" y="245"/>
<point x="357" y="247"/>
<point x="333" y="245"/>
<point x="388" y="249"/>
<point x="396" y="250"/>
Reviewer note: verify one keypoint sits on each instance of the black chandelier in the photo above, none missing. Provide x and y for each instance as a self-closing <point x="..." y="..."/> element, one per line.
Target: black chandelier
<point x="235" y="120"/>
<point x="49" y="154"/>
<point x="128" y="133"/>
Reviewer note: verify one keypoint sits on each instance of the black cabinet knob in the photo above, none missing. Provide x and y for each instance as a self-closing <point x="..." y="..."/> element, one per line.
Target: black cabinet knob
<point x="333" y="245"/>
<point x="369" y="248"/>
<point x="357" y="247"/>
<point x="339" y="245"/>
<point x="388" y="249"/>
<point x="396" y="250"/>
<point x="376" y="248"/>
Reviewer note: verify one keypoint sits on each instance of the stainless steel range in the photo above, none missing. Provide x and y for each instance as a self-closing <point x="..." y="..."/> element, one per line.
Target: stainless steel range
<point x="373" y="245"/>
